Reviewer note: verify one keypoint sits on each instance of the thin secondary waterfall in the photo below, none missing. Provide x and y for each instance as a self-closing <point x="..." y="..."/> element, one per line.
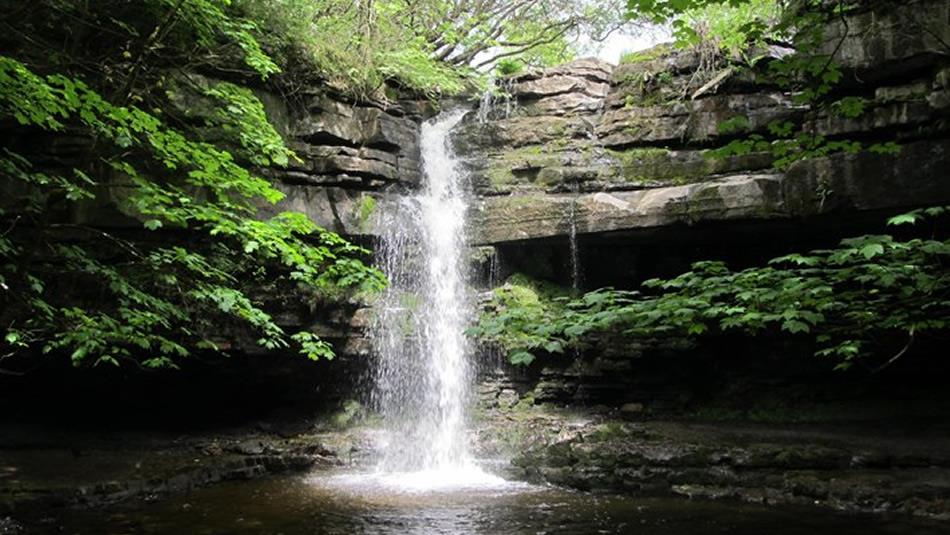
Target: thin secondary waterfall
<point x="495" y="92"/>
<point x="572" y="240"/>
<point x="423" y="376"/>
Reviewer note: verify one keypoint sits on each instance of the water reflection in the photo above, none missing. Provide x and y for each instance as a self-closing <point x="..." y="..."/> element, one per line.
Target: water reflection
<point x="333" y="504"/>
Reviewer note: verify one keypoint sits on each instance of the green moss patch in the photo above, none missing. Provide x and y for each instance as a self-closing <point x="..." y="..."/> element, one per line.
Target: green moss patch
<point x="650" y="54"/>
<point x="664" y="166"/>
<point x="367" y="208"/>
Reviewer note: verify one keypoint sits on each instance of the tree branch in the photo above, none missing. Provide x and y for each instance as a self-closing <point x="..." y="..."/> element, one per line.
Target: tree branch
<point x="894" y="359"/>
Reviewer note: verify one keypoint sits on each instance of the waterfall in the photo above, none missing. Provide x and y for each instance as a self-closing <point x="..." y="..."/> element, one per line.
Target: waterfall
<point x="423" y="376"/>
<point x="572" y="240"/>
<point x="495" y="91"/>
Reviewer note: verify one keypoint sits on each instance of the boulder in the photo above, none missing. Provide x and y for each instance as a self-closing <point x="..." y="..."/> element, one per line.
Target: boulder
<point x="578" y="87"/>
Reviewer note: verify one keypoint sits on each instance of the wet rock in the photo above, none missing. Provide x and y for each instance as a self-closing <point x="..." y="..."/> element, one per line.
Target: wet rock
<point x="661" y="58"/>
<point x="565" y="104"/>
<point x="320" y="448"/>
<point x="893" y="107"/>
<point x="588" y="68"/>
<point x="631" y="408"/>
<point x="247" y="447"/>
<point x="338" y="164"/>
<point x="857" y="182"/>
<point x="578" y="87"/>
<point x="353" y="125"/>
<point x="340" y="209"/>
<point x="212" y="449"/>
<point x="555" y="84"/>
<point x="567" y="148"/>
<point x="868" y="181"/>
<point x="473" y="137"/>
<point x="9" y="526"/>
<point x="679" y="459"/>
<point x="362" y="318"/>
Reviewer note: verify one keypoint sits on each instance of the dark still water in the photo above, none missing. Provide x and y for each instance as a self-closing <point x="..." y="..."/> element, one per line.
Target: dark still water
<point x="326" y="504"/>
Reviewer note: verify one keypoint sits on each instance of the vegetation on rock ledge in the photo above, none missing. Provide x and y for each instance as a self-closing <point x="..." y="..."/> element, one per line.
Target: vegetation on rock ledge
<point x="847" y="299"/>
<point x="866" y="301"/>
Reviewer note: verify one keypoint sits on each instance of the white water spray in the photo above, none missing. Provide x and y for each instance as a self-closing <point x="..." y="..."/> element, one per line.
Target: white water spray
<point x="423" y="377"/>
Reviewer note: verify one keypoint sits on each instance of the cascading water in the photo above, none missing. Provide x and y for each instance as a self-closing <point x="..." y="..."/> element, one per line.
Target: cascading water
<point x="422" y="380"/>
<point x="576" y="273"/>
<point x="496" y="91"/>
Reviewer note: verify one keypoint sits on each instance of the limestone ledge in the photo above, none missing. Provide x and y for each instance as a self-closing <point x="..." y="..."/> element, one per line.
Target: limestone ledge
<point x="864" y="181"/>
<point x="521" y="217"/>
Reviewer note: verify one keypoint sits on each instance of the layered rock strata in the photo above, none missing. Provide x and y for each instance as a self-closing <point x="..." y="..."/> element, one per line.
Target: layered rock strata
<point x="635" y="146"/>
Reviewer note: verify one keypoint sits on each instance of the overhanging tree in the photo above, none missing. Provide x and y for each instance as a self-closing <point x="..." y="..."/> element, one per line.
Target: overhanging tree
<point x="87" y="122"/>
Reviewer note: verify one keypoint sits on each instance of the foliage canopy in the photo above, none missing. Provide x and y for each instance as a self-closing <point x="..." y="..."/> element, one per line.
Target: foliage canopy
<point x="438" y="47"/>
<point x="88" y="126"/>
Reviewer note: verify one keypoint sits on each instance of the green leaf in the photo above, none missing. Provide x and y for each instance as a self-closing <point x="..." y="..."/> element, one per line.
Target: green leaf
<point x="795" y="326"/>
<point x="871" y="250"/>
<point x="904" y="219"/>
<point x="521" y="358"/>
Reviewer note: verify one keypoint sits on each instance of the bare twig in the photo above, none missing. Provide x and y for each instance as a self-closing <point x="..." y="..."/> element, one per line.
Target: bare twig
<point x="894" y="359"/>
<point x="118" y="241"/>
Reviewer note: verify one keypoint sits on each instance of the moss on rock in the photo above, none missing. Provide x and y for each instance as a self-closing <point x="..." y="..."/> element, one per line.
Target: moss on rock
<point x="366" y="207"/>
<point x="669" y="167"/>
<point x="650" y="54"/>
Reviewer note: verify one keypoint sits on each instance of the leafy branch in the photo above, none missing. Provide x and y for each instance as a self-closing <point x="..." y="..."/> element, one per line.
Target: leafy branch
<point x="843" y="298"/>
<point x="150" y="303"/>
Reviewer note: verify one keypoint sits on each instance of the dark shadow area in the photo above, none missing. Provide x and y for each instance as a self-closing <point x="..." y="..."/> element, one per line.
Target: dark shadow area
<point x="624" y="259"/>
<point x="207" y="393"/>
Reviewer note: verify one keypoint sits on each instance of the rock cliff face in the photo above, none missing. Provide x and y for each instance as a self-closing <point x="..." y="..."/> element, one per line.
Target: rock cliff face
<point x="349" y="154"/>
<point x="621" y="161"/>
<point x="623" y="157"/>
<point x="606" y="149"/>
<point x="351" y="158"/>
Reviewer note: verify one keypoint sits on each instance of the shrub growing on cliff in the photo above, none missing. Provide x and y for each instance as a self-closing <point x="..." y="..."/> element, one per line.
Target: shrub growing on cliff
<point x="735" y="35"/>
<point x="844" y="298"/>
<point x="732" y="30"/>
